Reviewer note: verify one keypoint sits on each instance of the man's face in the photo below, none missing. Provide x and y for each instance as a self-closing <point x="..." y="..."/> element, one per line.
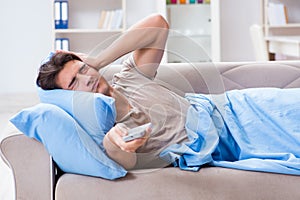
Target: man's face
<point x="78" y="76"/>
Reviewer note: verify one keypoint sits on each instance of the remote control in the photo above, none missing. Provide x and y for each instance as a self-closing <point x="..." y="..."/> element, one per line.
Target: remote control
<point x="136" y="132"/>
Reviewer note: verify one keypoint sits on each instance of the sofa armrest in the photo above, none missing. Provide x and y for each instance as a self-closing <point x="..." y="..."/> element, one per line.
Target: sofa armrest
<point x="31" y="165"/>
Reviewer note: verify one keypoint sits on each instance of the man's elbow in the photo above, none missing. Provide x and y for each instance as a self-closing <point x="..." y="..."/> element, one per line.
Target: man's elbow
<point x="159" y="21"/>
<point x="130" y="163"/>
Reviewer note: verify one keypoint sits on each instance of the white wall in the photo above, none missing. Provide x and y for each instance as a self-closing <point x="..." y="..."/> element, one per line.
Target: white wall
<point x="25" y="38"/>
<point x="236" y="17"/>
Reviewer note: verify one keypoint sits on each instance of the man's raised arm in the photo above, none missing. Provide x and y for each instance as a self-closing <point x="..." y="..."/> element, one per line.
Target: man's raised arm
<point x="147" y="38"/>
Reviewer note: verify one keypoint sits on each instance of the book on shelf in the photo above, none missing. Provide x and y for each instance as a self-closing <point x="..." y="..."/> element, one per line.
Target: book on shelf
<point x="62" y="44"/>
<point x="187" y="1"/>
<point x="110" y="19"/>
<point x="61" y="15"/>
<point x="277" y="14"/>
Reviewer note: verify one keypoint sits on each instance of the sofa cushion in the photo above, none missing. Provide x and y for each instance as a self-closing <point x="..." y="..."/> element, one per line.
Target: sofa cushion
<point x="211" y="183"/>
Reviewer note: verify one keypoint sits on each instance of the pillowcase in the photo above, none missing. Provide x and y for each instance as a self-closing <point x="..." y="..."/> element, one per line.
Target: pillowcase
<point x="67" y="142"/>
<point x="94" y="112"/>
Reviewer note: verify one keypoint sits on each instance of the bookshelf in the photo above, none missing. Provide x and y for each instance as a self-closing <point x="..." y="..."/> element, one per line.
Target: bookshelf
<point x="291" y="27"/>
<point x="283" y="38"/>
<point x="190" y="37"/>
<point x="83" y="32"/>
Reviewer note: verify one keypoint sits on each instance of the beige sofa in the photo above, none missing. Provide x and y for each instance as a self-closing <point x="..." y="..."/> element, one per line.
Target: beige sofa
<point x="36" y="176"/>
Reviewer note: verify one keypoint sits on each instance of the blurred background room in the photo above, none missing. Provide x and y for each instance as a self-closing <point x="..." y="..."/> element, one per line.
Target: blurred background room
<point x="200" y="31"/>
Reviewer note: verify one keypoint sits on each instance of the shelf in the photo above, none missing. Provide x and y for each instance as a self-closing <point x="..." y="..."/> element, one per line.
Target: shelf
<point x="190" y="32"/>
<point x="289" y="25"/>
<point x="190" y="25"/>
<point x="287" y="45"/>
<point x="289" y="39"/>
<point x="283" y="39"/>
<point x="193" y="35"/>
<point x="87" y="31"/>
<point x="187" y="5"/>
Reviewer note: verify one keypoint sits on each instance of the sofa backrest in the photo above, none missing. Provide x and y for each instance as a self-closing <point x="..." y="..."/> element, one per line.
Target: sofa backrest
<point x="219" y="77"/>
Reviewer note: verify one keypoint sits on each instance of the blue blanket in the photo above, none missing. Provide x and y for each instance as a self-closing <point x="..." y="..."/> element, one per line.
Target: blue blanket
<point x="251" y="129"/>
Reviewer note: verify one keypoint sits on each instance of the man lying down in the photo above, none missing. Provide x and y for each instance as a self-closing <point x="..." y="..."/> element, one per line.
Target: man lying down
<point x="253" y="129"/>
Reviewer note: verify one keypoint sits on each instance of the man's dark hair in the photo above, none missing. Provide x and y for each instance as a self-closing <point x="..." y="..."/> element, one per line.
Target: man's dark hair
<point x="49" y="70"/>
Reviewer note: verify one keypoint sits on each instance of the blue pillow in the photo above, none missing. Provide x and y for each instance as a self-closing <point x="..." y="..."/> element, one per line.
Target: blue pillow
<point x="94" y="112"/>
<point x="67" y="142"/>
